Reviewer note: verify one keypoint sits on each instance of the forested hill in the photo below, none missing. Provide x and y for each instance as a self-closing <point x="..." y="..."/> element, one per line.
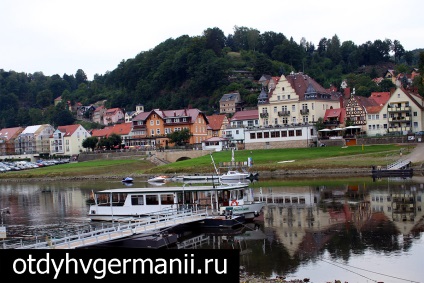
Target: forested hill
<point x="197" y="71"/>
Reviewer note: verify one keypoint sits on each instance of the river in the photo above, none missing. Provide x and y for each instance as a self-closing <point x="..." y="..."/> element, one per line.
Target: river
<point x="360" y="231"/>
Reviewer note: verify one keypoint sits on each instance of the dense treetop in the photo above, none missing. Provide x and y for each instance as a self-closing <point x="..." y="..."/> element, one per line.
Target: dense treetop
<point x="196" y="71"/>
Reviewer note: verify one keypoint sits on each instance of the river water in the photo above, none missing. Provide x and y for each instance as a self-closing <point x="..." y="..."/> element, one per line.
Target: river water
<point x="361" y="230"/>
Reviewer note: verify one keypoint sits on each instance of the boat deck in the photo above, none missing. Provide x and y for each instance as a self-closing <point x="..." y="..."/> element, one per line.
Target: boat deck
<point x="123" y="228"/>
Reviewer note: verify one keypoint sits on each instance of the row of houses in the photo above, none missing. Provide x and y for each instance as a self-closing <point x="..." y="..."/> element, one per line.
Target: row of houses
<point x="289" y="108"/>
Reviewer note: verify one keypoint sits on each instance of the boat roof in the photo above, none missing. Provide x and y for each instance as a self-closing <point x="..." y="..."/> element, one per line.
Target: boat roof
<point x="188" y="188"/>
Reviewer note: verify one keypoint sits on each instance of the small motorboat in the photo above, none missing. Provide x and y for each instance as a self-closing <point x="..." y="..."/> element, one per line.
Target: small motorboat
<point x="127" y="180"/>
<point x="159" y="179"/>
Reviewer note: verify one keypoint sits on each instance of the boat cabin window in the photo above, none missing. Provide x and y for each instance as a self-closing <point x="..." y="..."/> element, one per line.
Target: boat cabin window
<point x="167" y="199"/>
<point x="152" y="200"/>
<point x="137" y="200"/>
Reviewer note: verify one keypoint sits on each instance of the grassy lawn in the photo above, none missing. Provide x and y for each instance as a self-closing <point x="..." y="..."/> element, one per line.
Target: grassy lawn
<point x="299" y="158"/>
<point x="120" y="167"/>
<point x="263" y="160"/>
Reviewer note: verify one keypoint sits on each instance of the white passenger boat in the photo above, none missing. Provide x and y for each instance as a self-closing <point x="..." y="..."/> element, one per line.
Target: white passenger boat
<point x="124" y="203"/>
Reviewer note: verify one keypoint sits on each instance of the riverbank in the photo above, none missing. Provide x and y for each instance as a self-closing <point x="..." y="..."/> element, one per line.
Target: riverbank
<point x="309" y="163"/>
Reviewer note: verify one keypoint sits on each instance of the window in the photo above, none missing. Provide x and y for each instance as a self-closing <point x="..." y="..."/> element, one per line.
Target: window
<point x="259" y="135"/>
<point x="384" y="116"/>
<point x="298" y="133"/>
<point x="152" y="122"/>
<point x="137" y="200"/>
<point x="152" y="132"/>
<point x="252" y="136"/>
<point x="152" y="200"/>
<point x="415" y="114"/>
<point x="266" y="135"/>
<point x="275" y="109"/>
<point x="184" y="119"/>
<point x="158" y="131"/>
<point x="157" y="122"/>
<point x="283" y="134"/>
<point x="291" y="133"/>
<point x="167" y="199"/>
<point x="293" y="107"/>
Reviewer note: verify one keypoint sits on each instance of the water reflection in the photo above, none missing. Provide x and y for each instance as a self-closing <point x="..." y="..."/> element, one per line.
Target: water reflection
<point x="353" y="232"/>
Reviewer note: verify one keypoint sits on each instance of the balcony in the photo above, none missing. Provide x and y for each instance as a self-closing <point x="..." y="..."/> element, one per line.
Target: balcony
<point x="399" y="119"/>
<point x="304" y="111"/>
<point x="398" y="109"/>
<point x="283" y="113"/>
<point x="264" y="115"/>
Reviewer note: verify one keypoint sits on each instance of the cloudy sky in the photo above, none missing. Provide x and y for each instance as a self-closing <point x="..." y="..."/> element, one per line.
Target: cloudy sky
<point x="58" y="37"/>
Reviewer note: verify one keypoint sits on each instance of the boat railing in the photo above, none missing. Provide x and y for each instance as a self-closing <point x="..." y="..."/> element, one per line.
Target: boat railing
<point x="133" y="225"/>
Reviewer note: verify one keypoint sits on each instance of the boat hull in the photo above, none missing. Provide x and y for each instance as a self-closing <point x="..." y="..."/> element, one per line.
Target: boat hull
<point x="249" y="211"/>
<point x="393" y="173"/>
<point x="222" y="221"/>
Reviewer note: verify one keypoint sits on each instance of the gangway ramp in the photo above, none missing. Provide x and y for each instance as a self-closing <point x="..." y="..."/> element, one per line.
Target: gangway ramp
<point x="121" y="230"/>
<point x="398" y="164"/>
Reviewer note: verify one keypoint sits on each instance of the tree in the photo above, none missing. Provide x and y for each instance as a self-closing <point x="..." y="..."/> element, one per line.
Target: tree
<point x="180" y="137"/>
<point x="115" y="140"/>
<point x="215" y="40"/>
<point x="62" y="117"/>
<point x="80" y="77"/>
<point x="90" y="142"/>
<point x="44" y="98"/>
<point x="398" y="49"/>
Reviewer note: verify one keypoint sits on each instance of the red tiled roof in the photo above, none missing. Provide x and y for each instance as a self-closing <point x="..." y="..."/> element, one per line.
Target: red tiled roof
<point x="216" y="121"/>
<point x="119" y="129"/>
<point x="300" y="83"/>
<point x="10" y="133"/>
<point x="338" y="112"/>
<point x="69" y="129"/>
<point x="380" y="97"/>
<point x="245" y="115"/>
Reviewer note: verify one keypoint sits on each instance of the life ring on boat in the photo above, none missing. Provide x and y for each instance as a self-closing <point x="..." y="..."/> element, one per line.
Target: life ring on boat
<point x="234" y="202"/>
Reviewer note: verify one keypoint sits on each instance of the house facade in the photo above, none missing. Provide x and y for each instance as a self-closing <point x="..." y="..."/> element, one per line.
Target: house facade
<point x="99" y="114"/>
<point x="296" y="99"/>
<point x="241" y="120"/>
<point x="405" y="112"/>
<point x="67" y="140"/>
<point x="150" y="129"/>
<point x="230" y="103"/>
<point x="113" y="116"/>
<point x="7" y="140"/>
<point x="34" y="140"/>
<point x="217" y="125"/>
<point x="131" y="114"/>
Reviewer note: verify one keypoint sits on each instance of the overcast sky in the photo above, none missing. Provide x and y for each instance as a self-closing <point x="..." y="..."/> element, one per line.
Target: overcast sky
<point x="58" y="37"/>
